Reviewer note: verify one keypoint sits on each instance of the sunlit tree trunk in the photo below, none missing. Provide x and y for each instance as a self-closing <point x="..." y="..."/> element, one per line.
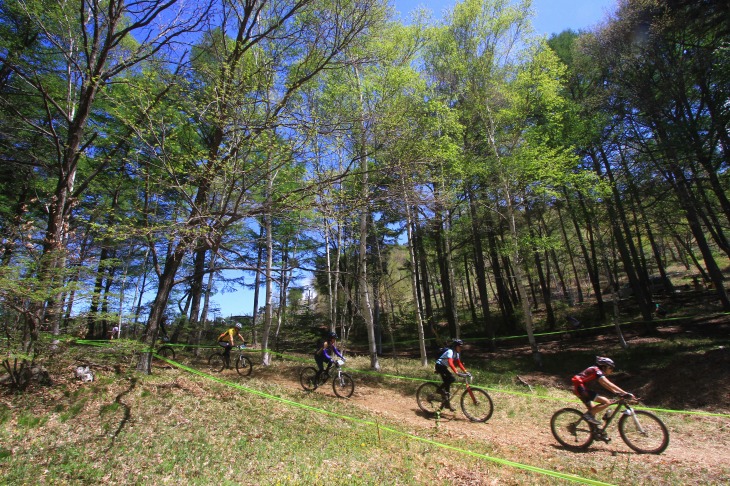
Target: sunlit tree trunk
<point x="414" y="285"/>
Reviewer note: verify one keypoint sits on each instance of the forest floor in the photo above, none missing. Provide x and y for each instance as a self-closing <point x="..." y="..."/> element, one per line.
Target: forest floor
<point x="691" y="381"/>
<point x="680" y="368"/>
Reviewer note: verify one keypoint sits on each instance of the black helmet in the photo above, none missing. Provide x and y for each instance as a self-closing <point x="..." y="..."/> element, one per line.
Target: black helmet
<point x="457" y="342"/>
<point x="331" y="335"/>
<point x="603" y="361"/>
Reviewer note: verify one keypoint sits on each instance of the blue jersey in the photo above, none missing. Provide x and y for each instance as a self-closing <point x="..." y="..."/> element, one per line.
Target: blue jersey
<point x="444" y="358"/>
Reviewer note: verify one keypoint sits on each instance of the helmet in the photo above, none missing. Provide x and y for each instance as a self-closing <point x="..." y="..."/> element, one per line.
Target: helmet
<point x="239" y="325"/>
<point x="332" y="335"/>
<point x="602" y="361"/>
<point x="457" y="342"/>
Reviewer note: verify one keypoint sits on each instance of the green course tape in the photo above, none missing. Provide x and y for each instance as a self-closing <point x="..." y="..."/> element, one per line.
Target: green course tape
<point x="410" y="378"/>
<point x="566" y="331"/>
<point x="686" y="412"/>
<point x="496" y="460"/>
<point x="88" y="342"/>
<point x="510" y="392"/>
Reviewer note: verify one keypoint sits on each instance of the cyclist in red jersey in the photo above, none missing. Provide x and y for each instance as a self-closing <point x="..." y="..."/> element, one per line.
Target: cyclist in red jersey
<point x="604" y="366"/>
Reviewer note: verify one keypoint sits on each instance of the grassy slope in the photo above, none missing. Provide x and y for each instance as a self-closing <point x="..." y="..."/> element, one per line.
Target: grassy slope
<point x="178" y="428"/>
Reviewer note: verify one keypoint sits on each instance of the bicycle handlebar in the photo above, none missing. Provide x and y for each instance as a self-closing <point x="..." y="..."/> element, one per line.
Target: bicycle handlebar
<point x="466" y="377"/>
<point x="627" y="399"/>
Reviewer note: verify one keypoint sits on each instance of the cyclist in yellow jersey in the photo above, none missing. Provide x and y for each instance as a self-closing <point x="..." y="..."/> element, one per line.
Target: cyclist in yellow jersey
<point x="226" y="340"/>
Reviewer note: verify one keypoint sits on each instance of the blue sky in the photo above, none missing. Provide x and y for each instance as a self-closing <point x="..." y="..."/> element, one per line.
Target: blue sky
<point x="551" y="17"/>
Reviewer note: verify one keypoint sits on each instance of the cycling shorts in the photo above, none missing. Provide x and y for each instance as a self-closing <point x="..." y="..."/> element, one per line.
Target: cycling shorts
<point x="586" y="395"/>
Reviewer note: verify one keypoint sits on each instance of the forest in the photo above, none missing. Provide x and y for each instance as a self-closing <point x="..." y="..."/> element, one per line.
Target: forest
<point x="425" y="180"/>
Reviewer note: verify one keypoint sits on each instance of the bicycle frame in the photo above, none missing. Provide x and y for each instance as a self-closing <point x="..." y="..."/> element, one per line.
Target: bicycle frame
<point x="228" y="358"/>
<point x="325" y="373"/>
<point x="599" y="432"/>
<point x="231" y="358"/>
<point x="467" y="384"/>
<point x="462" y="382"/>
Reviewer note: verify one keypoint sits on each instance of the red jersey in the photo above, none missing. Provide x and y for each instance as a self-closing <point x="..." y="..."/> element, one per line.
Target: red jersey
<point x="587" y="375"/>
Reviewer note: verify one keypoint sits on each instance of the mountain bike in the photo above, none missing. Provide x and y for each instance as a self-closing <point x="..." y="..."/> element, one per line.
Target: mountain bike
<point x="475" y="403"/>
<point x="217" y="361"/>
<point x="642" y="431"/>
<point x="342" y="384"/>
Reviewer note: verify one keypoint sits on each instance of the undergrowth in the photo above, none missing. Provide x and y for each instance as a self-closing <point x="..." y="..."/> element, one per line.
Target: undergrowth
<point x="176" y="427"/>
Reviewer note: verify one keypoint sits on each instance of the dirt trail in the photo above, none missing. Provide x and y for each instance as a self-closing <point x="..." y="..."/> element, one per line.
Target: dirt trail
<point x="511" y="437"/>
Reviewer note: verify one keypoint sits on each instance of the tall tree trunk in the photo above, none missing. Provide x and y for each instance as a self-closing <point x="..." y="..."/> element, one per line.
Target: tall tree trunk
<point x="571" y="257"/>
<point x="504" y="297"/>
<point x="257" y="285"/>
<point x="202" y="323"/>
<point x="414" y="285"/>
<point x="544" y="283"/>
<point x="164" y="287"/>
<point x="480" y="271"/>
<point x="713" y="268"/>
<point x="622" y="236"/>
<point x="96" y="296"/>
<point x="520" y="285"/>
<point x="196" y="291"/>
<point x="268" y="310"/>
<point x="466" y="291"/>
<point x="591" y="259"/>
<point x="366" y="309"/>
<point x="423" y="276"/>
<point x="444" y="264"/>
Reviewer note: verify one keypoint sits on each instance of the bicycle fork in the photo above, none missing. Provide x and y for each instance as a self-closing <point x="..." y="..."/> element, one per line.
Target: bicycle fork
<point x="635" y="418"/>
<point x="339" y="379"/>
<point x="474" y="399"/>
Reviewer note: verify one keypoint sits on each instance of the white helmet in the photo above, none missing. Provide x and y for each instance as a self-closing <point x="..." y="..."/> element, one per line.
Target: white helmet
<point x="239" y="325"/>
<point x="603" y="361"/>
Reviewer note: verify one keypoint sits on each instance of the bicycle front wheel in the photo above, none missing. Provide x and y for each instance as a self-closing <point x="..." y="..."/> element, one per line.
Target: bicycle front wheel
<point x="343" y="385"/>
<point x="216" y="362"/>
<point x="476" y="404"/>
<point x="308" y="379"/>
<point x="570" y="429"/>
<point x="644" y="432"/>
<point x="429" y="398"/>
<point x="244" y="366"/>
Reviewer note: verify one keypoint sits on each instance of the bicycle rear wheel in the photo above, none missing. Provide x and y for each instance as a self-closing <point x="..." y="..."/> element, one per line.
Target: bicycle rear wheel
<point x="644" y="432"/>
<point x="216" y="362"/>
<point x="166" y="352"/>
<point x="308" y="378"/>
<point x="570" y="429"/>
<point x="343" y="385"/>
<point x="429" y="398"/>
<point x="476" y="404"/>
<point x="244" y="365"/>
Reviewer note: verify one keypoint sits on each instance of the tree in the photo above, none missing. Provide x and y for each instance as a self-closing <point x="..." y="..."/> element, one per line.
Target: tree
<point x="252" y="66"/>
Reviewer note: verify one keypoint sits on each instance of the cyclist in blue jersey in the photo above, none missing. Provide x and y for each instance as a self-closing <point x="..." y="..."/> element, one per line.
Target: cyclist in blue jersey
<point x="448" y="361"/>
